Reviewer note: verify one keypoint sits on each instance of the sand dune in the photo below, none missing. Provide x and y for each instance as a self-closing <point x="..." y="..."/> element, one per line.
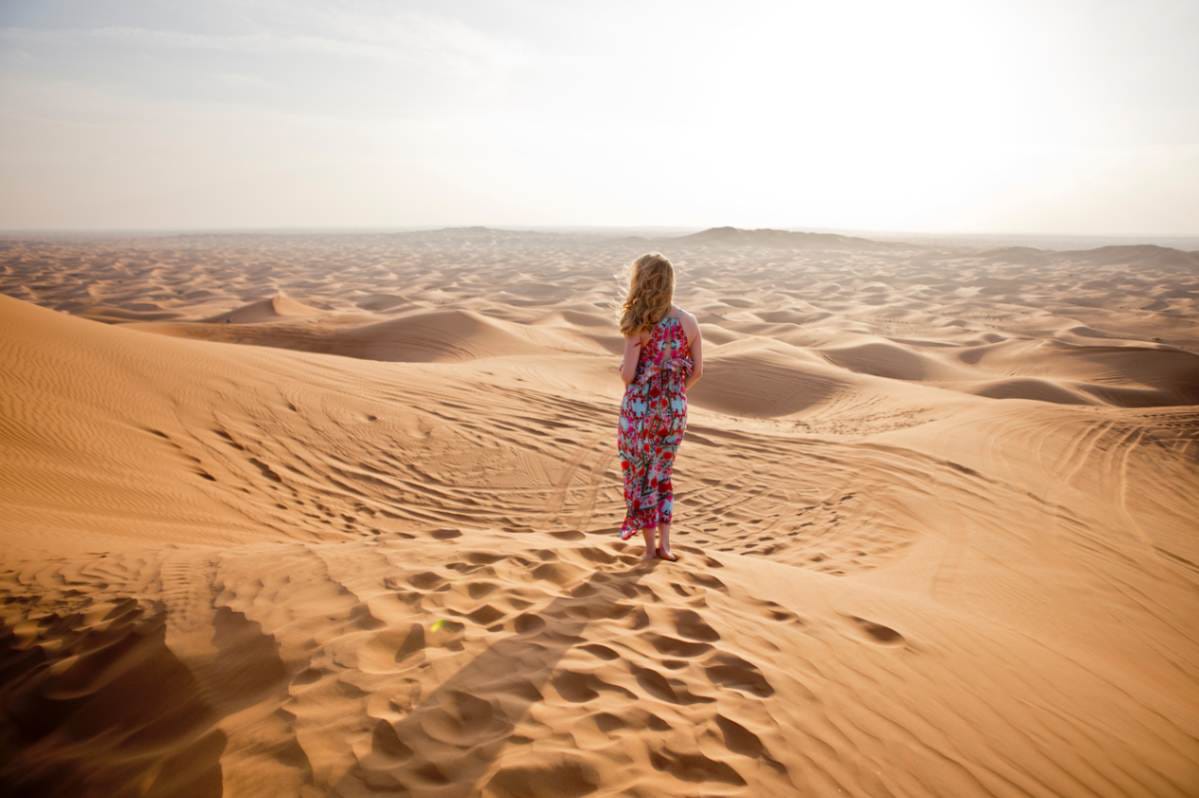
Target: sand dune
<point x="274" y="307"/>
<point x="891" y="360"/>
<point x="384" y="302"/>
<point x="1034" y="389"/>
<point x="1146" y="254"/>
<point x="768" y="237"/>
<point x="1147" y="376"/>
<point x="416" y="337"/>
<point x="754" y="379"/>
<point x="936" y="509"/>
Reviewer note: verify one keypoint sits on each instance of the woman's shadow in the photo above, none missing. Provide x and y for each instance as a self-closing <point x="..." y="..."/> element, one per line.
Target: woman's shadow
<point x="449" y="740"/>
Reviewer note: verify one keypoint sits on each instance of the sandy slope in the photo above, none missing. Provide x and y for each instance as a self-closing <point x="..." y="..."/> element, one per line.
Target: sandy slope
<point x="936" y="508"/>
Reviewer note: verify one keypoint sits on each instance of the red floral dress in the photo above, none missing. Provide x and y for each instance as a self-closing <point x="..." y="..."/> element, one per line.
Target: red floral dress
<point x="653" y="417"/>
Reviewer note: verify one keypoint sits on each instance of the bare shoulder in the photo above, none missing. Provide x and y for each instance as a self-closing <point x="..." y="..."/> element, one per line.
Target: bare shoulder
<point x="689" y="322"/>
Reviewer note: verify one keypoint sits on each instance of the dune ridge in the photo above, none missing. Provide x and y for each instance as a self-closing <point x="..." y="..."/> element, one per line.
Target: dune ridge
<point x="733" y="236"/>
<point x="418" y="336"/>
<point x="274" y="307"/>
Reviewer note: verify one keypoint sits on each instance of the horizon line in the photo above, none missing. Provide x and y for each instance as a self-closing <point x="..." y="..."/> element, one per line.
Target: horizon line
<point x="855" y="231"/>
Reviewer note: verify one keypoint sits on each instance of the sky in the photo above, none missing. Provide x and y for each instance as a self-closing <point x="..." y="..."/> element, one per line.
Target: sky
<point x="1067" y="117"/>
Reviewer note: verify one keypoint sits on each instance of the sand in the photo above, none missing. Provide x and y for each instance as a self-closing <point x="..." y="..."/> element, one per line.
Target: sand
<point x="336" y="515"/>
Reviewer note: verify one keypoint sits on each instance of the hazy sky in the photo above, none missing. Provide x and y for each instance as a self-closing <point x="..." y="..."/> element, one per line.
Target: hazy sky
<point x="958" y="116"/>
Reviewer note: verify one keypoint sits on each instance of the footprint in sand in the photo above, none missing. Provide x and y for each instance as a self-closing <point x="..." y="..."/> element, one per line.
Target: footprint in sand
<point x="878" y="632"/>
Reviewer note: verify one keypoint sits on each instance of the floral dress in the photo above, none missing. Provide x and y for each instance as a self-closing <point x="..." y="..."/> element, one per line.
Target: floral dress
<point x="653" y="417"/>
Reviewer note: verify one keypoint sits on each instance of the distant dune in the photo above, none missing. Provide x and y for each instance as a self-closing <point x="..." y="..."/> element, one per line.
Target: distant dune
<point x="896" y="361"/>
<point x="1140" y="254"/>
<point x="272" y="308"/>
<point x="733" y="236"/>
<point x="766" y="381"/>
<point x="416" y="336"/>
<point x="1147" y="254"/>
<point x="336" y="515"/>
<point x="1027" y="256"/>
<point x="1033" y="389"/>
<point x="476" y="234"/>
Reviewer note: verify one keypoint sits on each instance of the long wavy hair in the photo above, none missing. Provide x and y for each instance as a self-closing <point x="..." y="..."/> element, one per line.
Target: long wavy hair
<point x="651" y="290"/>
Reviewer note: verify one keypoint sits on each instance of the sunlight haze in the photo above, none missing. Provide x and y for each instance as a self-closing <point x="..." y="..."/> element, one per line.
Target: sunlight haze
<point x="1073" y="117"/>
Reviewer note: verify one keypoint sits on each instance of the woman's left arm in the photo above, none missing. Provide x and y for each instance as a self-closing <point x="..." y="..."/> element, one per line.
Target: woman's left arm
<point x="628" y="364"/>
<point x="696" y="344"/>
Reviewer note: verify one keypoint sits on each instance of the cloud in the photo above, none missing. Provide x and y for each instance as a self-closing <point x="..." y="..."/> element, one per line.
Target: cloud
<point x="407" y="39"/>
<point x="314" y="62"/>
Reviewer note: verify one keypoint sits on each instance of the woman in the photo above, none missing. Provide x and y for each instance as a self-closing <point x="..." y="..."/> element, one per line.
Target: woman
<point x="662" y="359"/>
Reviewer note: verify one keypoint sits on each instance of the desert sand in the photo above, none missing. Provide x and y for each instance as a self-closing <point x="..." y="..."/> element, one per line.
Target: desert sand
<point x="336" y="515"/>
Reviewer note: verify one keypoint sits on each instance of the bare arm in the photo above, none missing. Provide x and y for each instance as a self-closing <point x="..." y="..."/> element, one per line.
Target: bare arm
<point x="628" y="364"/>
<point x="697" y="351"/>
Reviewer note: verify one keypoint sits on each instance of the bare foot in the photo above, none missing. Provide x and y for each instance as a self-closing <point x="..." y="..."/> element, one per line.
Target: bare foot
<point x="650" y="549"/>
<point x="667" y="554"/>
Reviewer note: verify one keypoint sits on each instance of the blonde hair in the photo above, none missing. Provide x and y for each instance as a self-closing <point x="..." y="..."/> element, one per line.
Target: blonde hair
<point x="651" y="289"/>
